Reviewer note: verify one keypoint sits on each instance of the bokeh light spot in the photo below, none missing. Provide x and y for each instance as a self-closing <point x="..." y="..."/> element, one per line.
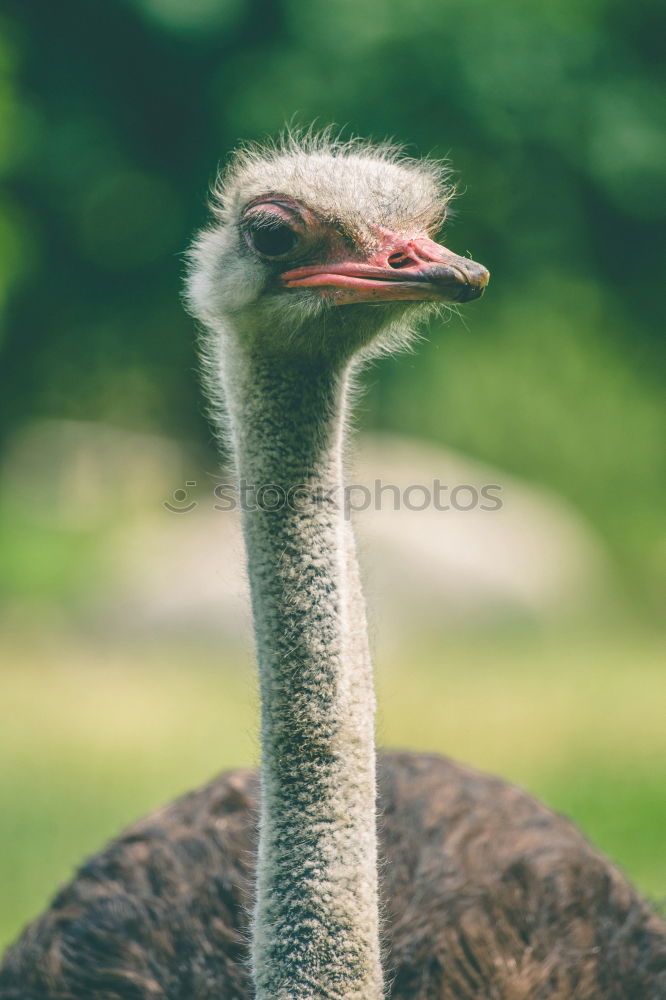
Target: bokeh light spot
<point x="192" y="15"/>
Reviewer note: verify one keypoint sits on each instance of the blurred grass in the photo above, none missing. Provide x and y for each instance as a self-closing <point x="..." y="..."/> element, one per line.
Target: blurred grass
<point x="93" y="736"/>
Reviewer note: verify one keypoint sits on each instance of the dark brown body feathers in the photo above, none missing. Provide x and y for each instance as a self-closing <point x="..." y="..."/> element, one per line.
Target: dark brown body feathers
<point x="486" y="894"/>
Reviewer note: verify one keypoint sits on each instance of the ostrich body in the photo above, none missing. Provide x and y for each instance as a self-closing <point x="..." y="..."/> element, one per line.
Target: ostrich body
<point x="320" y="255"/>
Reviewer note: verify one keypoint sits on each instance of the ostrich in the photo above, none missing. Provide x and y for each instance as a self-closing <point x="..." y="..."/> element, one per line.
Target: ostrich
<point x="292" y="885"/>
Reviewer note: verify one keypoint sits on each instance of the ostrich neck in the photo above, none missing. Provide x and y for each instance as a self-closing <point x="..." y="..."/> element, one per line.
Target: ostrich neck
<point x="315" y="932"/>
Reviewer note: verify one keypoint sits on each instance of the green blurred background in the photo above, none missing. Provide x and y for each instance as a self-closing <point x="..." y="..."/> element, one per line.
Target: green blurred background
<point x="113" y="116"/>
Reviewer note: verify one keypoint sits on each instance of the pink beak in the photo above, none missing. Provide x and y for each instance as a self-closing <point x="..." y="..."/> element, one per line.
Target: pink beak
<point x="417" y="269"/>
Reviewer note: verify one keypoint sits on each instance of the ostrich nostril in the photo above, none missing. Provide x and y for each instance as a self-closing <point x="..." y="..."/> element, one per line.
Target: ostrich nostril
<point x="398" y="260"/>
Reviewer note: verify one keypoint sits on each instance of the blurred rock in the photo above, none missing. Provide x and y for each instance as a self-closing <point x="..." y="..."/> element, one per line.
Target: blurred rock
<point x="534" y="558"/>
<point x="524" y="555"/>
<point x="75" y="474"/>
<point x="168" y="560"/>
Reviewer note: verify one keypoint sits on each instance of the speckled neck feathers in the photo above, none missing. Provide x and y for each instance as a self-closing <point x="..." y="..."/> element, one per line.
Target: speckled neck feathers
<point x="315" y="928"/>
<point x="278" y="362"/>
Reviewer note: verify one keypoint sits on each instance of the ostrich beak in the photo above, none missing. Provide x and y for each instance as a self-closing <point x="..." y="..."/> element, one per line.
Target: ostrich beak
<point x="417" y="269"/>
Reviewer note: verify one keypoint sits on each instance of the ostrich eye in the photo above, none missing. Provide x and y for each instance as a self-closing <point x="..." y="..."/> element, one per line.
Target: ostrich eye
<point x="271" y="239"/>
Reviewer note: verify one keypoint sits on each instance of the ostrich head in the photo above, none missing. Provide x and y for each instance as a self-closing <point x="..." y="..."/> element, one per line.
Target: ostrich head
<point x="326" y="249"/>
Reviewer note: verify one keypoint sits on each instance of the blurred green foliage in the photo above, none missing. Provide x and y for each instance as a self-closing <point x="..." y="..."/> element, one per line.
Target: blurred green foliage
<point x="114" y="115"/>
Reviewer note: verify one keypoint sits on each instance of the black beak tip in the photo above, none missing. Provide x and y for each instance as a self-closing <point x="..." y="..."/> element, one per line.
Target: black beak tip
<point x="474" y="288"/>
<point x="470" y="292"/>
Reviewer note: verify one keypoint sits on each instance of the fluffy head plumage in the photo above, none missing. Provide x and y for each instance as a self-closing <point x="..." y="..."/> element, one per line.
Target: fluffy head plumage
<point x="354" y="192"/>
<point x="351" y="183"/>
